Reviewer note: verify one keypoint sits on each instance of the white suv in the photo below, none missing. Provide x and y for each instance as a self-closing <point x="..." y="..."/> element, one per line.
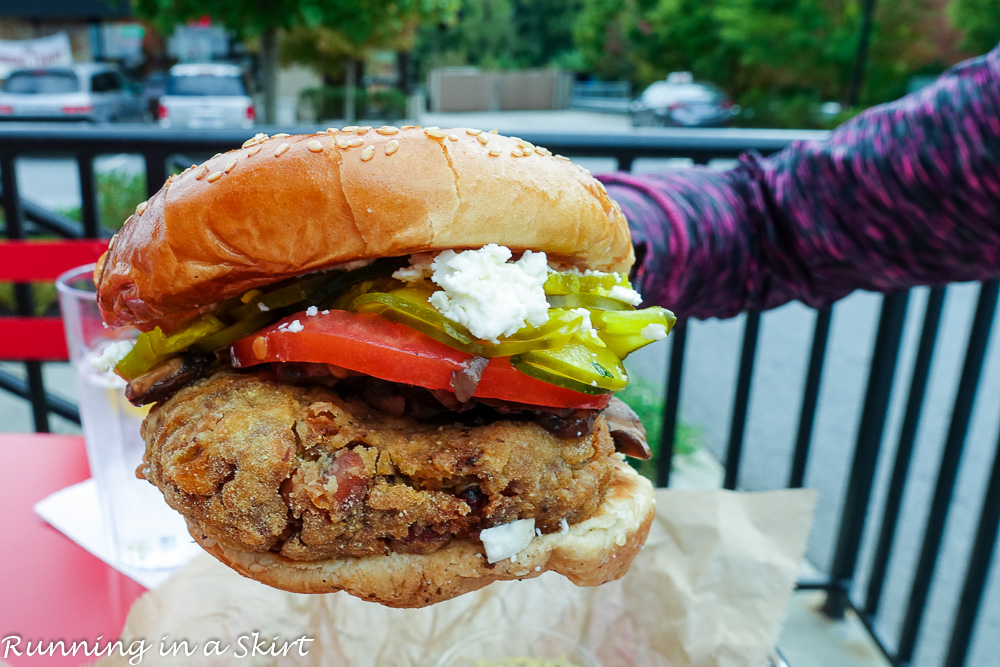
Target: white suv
<point x="206" y="96"/>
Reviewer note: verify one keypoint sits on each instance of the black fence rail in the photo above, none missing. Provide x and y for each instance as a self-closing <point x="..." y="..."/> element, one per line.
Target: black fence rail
<point x="163" y="150"/>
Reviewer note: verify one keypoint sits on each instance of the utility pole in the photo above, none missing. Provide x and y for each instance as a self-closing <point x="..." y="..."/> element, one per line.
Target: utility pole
<point x="861" y="58"/>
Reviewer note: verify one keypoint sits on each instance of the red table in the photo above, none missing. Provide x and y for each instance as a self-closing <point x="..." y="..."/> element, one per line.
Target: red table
<point x="50" y="588"/>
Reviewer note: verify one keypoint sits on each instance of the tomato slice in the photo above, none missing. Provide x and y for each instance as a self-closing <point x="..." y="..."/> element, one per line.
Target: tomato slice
<point x="370" y="344"/>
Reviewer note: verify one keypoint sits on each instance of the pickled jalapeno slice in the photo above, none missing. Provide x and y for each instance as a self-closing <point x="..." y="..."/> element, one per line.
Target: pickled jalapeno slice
<point x="154" y="347"/>
<point x="597" y="367"/>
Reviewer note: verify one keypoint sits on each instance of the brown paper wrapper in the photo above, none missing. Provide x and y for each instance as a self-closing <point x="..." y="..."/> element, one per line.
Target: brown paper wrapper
<point x="709" y="589"/>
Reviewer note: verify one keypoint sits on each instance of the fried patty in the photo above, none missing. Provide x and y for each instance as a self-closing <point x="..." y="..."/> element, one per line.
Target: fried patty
<point x="312" y="474"/>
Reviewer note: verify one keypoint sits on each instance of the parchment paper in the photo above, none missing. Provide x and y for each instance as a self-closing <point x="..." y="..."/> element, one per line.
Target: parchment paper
<point x="709" y="589"/>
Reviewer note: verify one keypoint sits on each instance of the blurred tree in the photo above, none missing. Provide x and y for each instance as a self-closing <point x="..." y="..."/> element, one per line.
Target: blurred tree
<point x="979" y="21"/>
<point x="767" y="53"/>
<point x="501" y="34"/>
<point x="358" y="22"/>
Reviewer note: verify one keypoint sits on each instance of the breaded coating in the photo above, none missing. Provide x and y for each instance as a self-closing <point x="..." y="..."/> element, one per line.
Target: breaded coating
<point x="310" y="474"/>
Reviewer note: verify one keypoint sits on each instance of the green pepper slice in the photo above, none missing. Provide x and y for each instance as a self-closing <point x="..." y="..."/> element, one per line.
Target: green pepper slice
<point x="154" y="347"/>
<point x="597" y="367"/>
<point x="233" y="332"/>
<point x="573" y="283"/>
<point x="584" y="300"/>
<point x="279" y="298"/>
<point x="622" y="330"/>
<point x="409" y="306"/>
<point x="551" y="377"/>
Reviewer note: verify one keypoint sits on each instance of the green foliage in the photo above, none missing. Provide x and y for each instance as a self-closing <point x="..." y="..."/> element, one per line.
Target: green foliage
<point x="359" y="21"/>
<point x="327" y="102"/>
<point x="646" y="399"/>
<point x="780" y="59"/>
<point x="117" y="196"/>
<point x="500" y="34"/>
<point x="979" y="21"/>
<point x="118" y="193"/>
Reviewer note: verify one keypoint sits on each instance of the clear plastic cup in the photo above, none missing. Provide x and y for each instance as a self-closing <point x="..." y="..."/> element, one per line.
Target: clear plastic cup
<point x="142" y="530"/>
<point x="513" y="647"/>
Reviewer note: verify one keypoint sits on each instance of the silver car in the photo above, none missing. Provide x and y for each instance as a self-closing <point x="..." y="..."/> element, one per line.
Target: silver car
<point x="93" y="92"/>
<point x="680" y="101"/>
<point x="206" y="96"/>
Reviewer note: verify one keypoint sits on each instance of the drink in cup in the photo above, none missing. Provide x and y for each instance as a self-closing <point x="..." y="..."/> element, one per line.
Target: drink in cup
<point x="142" y="531"/>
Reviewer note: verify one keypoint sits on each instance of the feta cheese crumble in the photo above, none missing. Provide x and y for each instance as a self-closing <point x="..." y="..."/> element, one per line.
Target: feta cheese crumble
<point x="111" y="355"/>
<point x="419" y="268"/>
<point x="653" y="331"/>
<point x="626" y="294"/>
<point x="263" y="308"/>
<point x="508" y="540"/>
<point x="295" y="326"/>
<point x="312" y="311"/>
<point x="587" y="326"/>
<point x="489" y="295"/>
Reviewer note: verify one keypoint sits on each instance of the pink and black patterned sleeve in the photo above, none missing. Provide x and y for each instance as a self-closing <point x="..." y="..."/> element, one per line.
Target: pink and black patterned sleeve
<point x="905" y="194"/>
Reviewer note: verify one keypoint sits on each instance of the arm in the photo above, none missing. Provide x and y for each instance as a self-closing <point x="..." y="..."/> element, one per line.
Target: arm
<point x="907" y="193"/>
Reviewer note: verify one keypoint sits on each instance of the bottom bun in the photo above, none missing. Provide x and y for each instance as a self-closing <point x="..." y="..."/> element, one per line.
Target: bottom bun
<point x="589" y="553"/>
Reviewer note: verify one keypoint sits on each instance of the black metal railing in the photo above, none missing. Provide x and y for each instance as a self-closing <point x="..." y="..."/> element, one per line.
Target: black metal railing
<point x="161" y="149"/>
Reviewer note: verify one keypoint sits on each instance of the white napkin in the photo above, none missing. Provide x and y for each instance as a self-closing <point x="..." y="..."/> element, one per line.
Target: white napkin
<point x="74" y="511"/>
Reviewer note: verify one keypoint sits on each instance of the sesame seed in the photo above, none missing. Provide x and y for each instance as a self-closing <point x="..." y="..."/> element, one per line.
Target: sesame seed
<point x="387" y="129"/>
<point x="254" y="151"/>
<point x="315" y="146"/>
<point x="494" y="131"/>
<point x="214" y="176"/>
<point x="141" y="208"/>
<point x="408" y="127"/>
<point x="525" y="144"/>
<point x="542" y="151"/>
<point x="343" y="142"/>
<point x="611" y="213"/>
<point x="474" y="133"/>
<point x="217" y="155"/>
<point x="517" y="152"/>
<point x="453" y="137"/>
<point x="255" y="139"/>
<point x="281" y="150"/>
<point x="364" y="128"/>
<point x="482" y="138"/>
<point x="600" y="186"/>
<point x="279" y="135"/>
<point x="391" y="146"/>
<point x="354" y="143"/>
<point x="562" y="157"/>
<point x="202" y="170"/>
<point x="230" y="165"/>
<point x="331" y="130"/>
<point x="495" y="152"/>
<point x="350" y="128"/>
<point x="367" y="153"/>
<point x="435" y="132"/>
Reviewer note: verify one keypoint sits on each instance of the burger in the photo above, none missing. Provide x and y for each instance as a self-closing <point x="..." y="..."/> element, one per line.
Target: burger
<point x="382" y="361"/>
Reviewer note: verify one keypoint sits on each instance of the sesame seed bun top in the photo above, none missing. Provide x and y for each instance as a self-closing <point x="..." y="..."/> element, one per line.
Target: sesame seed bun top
<point x="287" y="205"/>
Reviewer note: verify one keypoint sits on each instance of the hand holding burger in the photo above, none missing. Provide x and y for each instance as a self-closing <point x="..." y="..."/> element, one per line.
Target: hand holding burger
<point x="382" y="361"/>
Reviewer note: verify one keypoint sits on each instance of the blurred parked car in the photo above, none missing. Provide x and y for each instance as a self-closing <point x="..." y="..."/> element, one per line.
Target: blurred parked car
<point x="210" y="95"/>
<point x="153" y="87"/>
<point x="680" y="101"/>
<point x="93" y="92"/>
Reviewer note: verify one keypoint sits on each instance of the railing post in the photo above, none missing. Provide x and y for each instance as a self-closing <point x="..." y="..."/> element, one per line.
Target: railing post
<point x="810" y="397"/>
<point x="22" y="293"/>
<point x="951" y="456"/>
<point x="904" y="449"/>
<point x="866" y="449"/>
<point x="741" y="403"/>
<point x="671" y="404"/>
